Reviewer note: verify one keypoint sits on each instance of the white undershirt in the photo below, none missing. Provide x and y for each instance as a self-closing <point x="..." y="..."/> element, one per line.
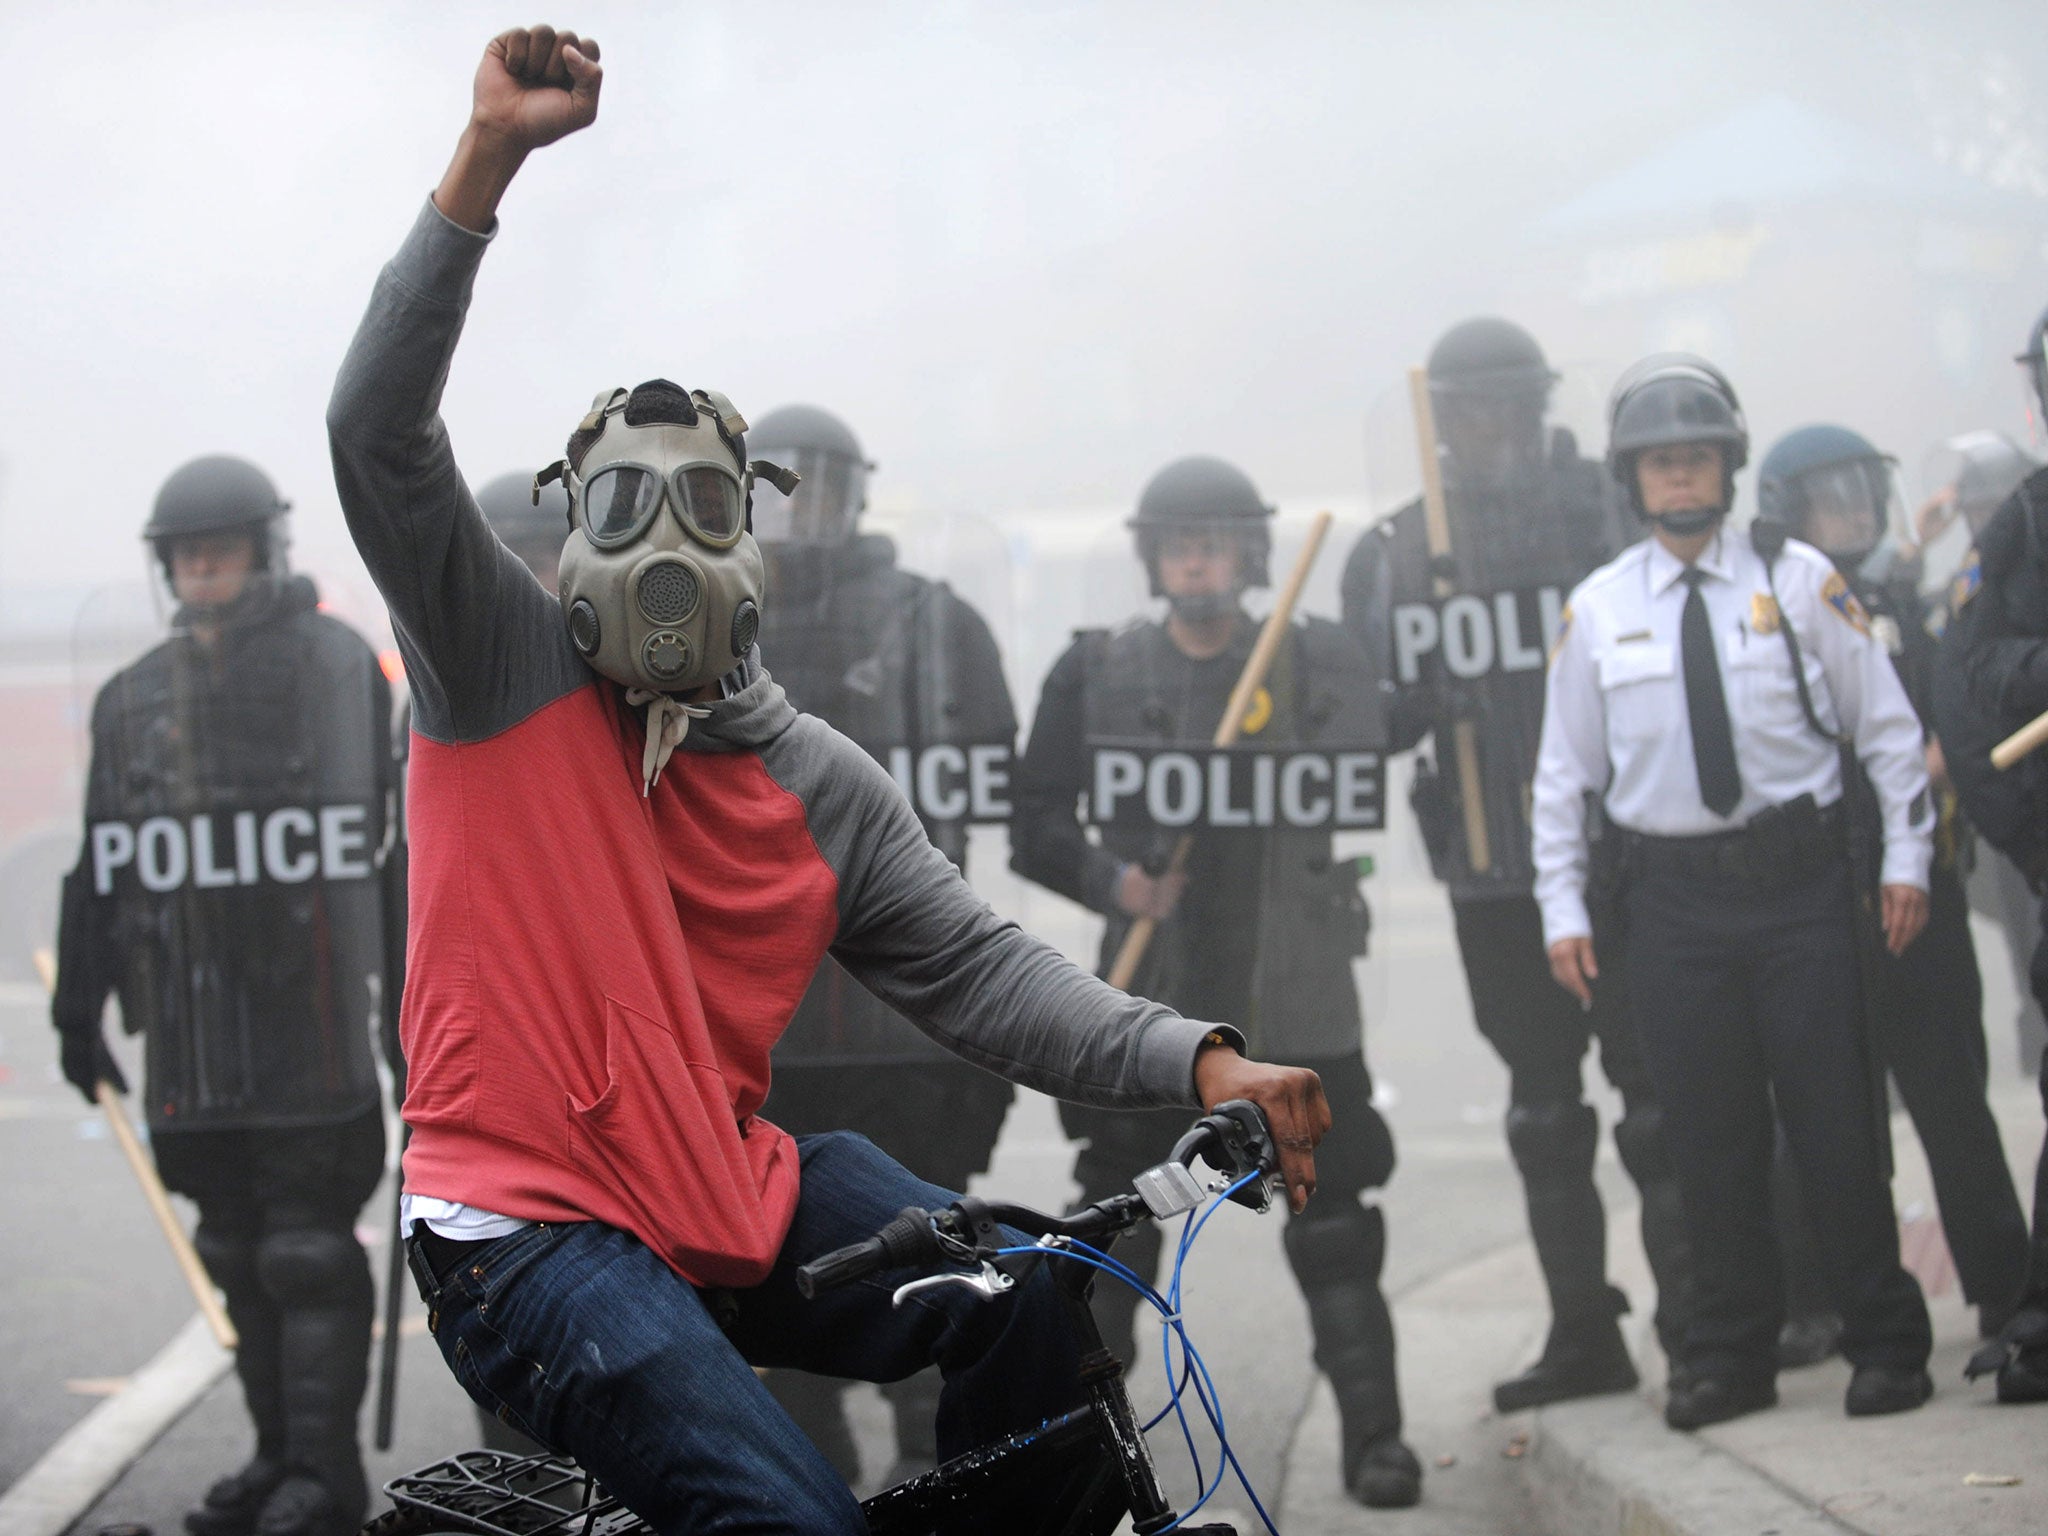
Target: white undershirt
<point x="452" y="1219"/>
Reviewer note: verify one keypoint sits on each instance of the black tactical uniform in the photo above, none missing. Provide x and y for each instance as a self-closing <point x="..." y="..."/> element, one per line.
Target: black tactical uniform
<point x="1991" y="677"/>
<point x="230" y="892"/>
<point x="1532" y="524"/>
<point x="902" y="665"/>
<point x="1263" y="937"/>
<point x="1929" y="1012"/>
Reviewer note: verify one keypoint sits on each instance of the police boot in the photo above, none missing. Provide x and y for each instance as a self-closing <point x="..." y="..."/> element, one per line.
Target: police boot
<point x="816" y="1405"/>
<point x="321" y="1280"/>
<point x="1553" y="1145"/>
<point x="915" y="1402"/>
<point x="231" y="1504"/>
<point x="1336" y="1257"/>
<point x="1667" y="1243"/>
<point x="1584" y="1355"/>
<point x="2019" y="1355"/>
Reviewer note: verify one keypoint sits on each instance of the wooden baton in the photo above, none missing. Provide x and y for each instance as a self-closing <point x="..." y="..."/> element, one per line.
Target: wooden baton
<point x="2022" y="741"/>
<point x="1256" y="666"/>
<point x="1437" y="519"/>
<point x="154" y="1192"/>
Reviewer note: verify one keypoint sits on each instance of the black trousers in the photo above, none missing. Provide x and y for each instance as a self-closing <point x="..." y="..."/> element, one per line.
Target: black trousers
<point x="1933" y="1023"/>
<point x="1534" y="1025"/>
<point x="1745" y="994"/>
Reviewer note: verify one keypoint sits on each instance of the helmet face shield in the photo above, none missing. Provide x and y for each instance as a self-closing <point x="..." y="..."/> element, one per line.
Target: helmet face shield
<point x="1845" y="510"/>
<point x="2034" y="375"/>
<point x="1490" y="438"/>
<point x="825" y="505"/>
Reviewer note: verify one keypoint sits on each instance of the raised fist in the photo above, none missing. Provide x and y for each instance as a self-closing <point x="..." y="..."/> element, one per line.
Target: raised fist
<point x="535" y="85"/>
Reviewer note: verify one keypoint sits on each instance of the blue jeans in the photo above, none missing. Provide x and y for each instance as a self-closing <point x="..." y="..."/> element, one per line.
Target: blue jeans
<point x="578" y="1335"/>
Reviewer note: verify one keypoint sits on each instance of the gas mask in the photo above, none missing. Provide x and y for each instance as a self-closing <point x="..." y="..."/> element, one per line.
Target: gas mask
<point x="660" y="578"/>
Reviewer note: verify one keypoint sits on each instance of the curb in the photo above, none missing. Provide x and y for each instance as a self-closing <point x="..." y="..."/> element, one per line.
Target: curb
<point x="1608" y="1467"/>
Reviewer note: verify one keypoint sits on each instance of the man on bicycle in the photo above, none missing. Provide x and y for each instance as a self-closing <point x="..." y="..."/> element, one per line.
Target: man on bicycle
<point x="629" y="854"/>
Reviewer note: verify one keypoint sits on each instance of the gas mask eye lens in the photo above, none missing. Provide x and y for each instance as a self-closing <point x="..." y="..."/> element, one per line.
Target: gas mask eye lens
<point x="618" y="503"/>
<point x="716" y="513"/>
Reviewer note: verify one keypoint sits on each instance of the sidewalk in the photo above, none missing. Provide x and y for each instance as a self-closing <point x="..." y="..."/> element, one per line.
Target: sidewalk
<point x="1609" y="1467"/>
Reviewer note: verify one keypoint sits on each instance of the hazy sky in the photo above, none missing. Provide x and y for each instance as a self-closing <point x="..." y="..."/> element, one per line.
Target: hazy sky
<point x="1030" y="252"/>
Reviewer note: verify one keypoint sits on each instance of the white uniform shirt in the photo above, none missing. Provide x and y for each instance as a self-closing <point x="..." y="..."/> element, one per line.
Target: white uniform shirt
<point x="1615" y="720"/>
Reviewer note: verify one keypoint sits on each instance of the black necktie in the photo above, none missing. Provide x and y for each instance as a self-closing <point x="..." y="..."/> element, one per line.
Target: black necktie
<point x="1713" y="744"/>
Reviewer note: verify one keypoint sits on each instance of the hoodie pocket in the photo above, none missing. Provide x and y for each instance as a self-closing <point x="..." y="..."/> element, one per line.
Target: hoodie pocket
<point x="661" y="1140"/>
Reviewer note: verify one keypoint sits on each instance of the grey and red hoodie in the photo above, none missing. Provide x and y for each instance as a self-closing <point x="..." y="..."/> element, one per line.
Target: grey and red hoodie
<point x="595" y="979"/>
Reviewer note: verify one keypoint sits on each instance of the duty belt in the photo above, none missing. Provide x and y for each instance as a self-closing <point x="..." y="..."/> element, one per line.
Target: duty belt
<point x="1779" y="846"/>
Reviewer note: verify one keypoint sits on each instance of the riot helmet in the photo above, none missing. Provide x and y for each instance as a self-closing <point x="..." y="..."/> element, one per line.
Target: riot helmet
<point x="1198" y="495"/>
<point x="825" y="454"/>
<point x="1832" y="488"/>
<point x="219" y="494"/>
<point x="660" y="576"/>
<point x="530" y="522"/>
<point x="1979" y="470"/>
<point x="1489" y="386"/>
<point x="2033" y="361"/>
<point x="1668" y="399"/>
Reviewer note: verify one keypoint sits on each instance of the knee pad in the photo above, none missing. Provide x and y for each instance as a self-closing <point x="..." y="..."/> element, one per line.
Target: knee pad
<point x="1345" y="1242"/>
<point x="229" y="1256"/>
<point x="1553" y="1138"/>
<point x="312" y="1266"/>
<point x="1376" y="1159"/>
<point x="1639" y="1138"/>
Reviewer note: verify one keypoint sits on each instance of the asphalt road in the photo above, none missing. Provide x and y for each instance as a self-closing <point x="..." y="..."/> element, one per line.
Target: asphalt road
<point x="92" y="1295"/>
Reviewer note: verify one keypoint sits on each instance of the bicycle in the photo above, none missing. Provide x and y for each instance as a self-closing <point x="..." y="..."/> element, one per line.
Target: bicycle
<point x="1096" y="1454"/>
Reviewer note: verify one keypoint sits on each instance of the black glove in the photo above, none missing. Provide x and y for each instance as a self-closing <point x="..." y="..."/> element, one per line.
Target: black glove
<point x="87" y="1061"/>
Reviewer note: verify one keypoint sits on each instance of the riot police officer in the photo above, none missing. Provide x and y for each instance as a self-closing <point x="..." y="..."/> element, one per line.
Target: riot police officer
<point x="1722" y="697"/>
<point x="1831" y="487"/>
<point x="1991" y="677"/>
<point x="911" y="673"/>
<point x="228" y="892"/>
<point x="1528" y="517"/>
<point x="1261" y="926"/>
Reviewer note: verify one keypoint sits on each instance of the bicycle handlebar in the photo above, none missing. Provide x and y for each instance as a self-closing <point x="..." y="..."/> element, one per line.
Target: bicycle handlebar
<point x="906" y="1240"/>
<point x="1234" y="1138"/>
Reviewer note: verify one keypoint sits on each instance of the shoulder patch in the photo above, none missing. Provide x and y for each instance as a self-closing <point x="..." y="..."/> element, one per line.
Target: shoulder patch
<point x="1966" y="582"/>
<point x="1836" y="594"/>
<point x="1257" y="714"/>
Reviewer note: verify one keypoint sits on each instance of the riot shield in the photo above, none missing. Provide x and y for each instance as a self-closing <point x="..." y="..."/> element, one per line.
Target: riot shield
<point x="1459" y="593"/>
<point x="1259" y="920"/>
<point x="237" y="781"/>
<point x="892" y="636"/>
<point x="52" y="654"/>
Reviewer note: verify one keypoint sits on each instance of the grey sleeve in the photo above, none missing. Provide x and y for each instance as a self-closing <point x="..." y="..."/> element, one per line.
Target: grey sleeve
<point x="483" y="643"/>
<point x="914" y="934"/>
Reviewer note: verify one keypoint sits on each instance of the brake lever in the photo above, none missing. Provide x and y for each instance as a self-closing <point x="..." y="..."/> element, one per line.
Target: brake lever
<point x="988" y="1284"/>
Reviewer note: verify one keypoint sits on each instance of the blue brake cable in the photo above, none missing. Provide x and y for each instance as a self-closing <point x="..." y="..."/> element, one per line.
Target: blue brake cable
<point x="1194" y="1370"/>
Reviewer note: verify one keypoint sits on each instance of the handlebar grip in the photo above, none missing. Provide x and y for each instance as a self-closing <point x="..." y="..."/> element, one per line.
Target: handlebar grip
<point x="904" y="1241"/>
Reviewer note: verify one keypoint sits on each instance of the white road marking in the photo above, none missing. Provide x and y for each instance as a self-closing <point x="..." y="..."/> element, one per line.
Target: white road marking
<point x="83" y="1464"/>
